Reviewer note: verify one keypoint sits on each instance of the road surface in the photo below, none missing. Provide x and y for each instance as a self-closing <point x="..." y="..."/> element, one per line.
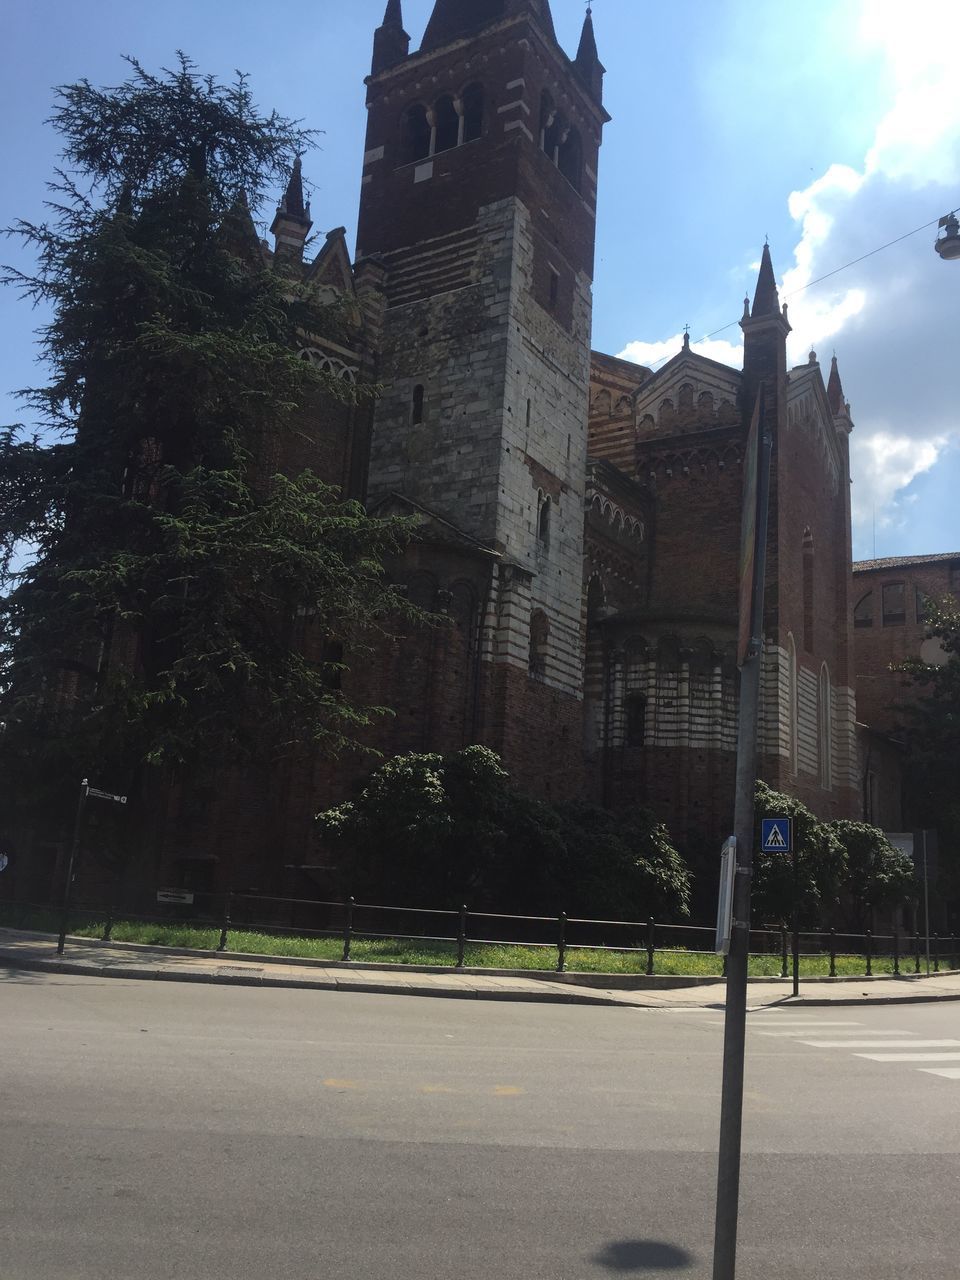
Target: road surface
<point x="166" y="1131"/>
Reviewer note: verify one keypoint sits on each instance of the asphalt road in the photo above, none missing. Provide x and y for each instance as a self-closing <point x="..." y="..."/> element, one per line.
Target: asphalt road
<point x="159" y="1130"/>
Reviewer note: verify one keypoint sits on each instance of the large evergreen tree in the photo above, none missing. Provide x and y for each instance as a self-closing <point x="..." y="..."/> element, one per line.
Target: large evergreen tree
<point x="169" y="575"/>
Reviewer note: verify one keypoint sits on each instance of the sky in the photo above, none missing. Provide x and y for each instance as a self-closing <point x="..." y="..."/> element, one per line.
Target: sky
<point x="831" y="127"/>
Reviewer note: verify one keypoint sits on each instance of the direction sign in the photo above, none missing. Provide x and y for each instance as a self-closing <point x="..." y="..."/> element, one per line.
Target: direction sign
<point x="776" y="835"/>
<point x="105" y="795"/>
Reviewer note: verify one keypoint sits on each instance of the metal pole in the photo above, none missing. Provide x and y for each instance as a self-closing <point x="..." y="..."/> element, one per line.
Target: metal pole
<point x="926" y="898"/>
<point x="796" y="917"/>
<point x="74" y="849"/>
<point x="735" y="1019"/>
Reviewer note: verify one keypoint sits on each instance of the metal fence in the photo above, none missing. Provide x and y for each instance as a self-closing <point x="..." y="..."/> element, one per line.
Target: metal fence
<point x="453" y="932"/>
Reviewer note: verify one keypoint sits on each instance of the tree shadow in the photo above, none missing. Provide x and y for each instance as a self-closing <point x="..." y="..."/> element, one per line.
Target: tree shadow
<point x="643" y="1255"/>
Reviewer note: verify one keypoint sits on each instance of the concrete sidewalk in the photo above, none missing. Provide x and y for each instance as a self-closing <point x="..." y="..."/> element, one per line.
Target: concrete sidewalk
<point x="86" y="956"/>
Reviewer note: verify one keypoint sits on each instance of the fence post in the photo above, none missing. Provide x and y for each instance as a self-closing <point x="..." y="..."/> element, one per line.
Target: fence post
<point x="868" y="951"/>
<point x="936" y="953"/>
<point x="783" y="950"/>
<point x="833" y="953"/>
<point x="561" y="941"/>
<point x="896" y="951"/>
<point x="461" y="936"/>
<point x="651" y="945"/>
<point x="348" y="929"/>
<point x="108" y="926"/>
<point x="916" y="943"/>
<point x="225" y="926"/>
<point x="953" y="951"/>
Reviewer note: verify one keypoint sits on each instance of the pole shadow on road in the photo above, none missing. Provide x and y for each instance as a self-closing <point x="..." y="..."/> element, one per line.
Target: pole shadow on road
<point x="642" y="1255"/>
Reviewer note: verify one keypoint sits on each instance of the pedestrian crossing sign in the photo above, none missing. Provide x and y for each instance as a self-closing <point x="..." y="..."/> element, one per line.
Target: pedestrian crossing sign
<point x="776" y="835"/>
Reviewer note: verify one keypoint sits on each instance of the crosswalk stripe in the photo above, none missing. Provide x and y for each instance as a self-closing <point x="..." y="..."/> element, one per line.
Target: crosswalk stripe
<point x="950" y="1073"/>
<point x="882" y="1044"/>
<point x="796" y="1034"/>
<point x="804" y="1022"/>
<point x="910" y="1057"/>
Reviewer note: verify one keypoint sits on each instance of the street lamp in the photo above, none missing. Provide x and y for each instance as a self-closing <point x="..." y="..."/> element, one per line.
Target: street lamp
<point x="948" y="244"/>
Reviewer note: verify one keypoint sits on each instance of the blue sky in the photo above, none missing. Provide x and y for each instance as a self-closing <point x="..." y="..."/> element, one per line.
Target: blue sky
<point x="831" y="127"/>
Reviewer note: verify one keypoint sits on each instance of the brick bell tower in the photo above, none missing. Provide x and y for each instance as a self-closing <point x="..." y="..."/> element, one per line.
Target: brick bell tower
<point x="478" y="206"/>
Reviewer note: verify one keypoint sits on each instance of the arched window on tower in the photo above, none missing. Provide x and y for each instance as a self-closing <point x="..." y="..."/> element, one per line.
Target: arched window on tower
<point x="808" y="591"/>
<point x="543" y="521"/>
<point x="539" y="638"/>
<point x="472" y="112"/>
<point x="416" y="134"/>
<point x="447" y="124"/>
<point x="416" y="405"/>
<point x="548" y="116"/>
<point x="570" y="158"/>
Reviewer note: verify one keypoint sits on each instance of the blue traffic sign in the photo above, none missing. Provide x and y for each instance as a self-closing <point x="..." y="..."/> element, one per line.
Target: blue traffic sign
<point x="776" y="835"/>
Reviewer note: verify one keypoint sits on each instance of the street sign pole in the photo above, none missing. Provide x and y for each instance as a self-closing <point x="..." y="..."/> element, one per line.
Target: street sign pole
<point x="735" y="1019"/>
<point x="796" y="919"/>
<point x="74" y="847"/>
<point x="926" y="897"/>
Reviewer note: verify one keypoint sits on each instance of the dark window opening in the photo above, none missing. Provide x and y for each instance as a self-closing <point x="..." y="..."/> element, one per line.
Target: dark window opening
<point x="955" y="575"/>
<point x="539" y="636"/>
<point x="923" y="605"/>
<point x="863" y="611"/>
<point x="570" y="158"/>
<point x="416" y="134"/>
<point x="894" y="605"/>
<point x="447" y="125"/>
<point x="548" y="117"/>
<point x="472" y="112"/>
<point x="543" y="522"/>
<point x="635" y="708"/>
<point x="416" y="405"/>
<point x="554" y="290"/>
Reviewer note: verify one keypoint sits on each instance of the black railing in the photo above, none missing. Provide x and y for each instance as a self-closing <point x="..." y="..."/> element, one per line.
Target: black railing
<point x="826" y="953"/>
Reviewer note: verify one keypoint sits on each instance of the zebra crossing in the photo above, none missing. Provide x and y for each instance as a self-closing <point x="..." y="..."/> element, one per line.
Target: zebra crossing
<point x="930" y="1056"/>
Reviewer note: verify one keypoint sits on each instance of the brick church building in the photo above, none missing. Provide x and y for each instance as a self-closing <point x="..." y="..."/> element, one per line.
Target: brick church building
<point x="578" y="515"/>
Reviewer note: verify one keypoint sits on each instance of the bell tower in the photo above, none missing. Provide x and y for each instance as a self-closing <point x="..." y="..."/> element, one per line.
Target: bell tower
<point x="479" y="206"/>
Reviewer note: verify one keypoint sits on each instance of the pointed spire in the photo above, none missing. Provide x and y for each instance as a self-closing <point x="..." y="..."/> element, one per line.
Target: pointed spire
<point x="587" y="62"/>
<point x="766" y="300"/>
<point x="454" y="19"/>
<point x="292" y="202"/>
<point x="292" y="223"/>
<point x="391" y="44"/>
<point x="835" y="396"/>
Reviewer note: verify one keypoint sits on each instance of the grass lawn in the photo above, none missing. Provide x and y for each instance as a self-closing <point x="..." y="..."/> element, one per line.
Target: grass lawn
<point x="442" y="954"/>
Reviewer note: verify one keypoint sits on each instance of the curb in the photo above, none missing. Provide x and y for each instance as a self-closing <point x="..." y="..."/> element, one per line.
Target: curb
<point x="81" y="969"/>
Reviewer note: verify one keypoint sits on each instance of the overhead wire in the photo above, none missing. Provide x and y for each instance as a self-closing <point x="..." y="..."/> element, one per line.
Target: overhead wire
<point x="810" y="283"/>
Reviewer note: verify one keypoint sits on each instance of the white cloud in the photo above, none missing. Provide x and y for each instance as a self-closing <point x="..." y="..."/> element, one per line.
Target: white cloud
<point x="885" y="463"/>
<point x="657" y="353"/>
<point x="891" y="316"/>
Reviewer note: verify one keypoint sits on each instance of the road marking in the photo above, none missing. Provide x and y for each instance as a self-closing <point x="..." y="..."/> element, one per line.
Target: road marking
<point x="341" y="1084"/>
<point x="796" y="1033"/>
<point x="806" y="1022"/>
<point x="949" y="1073"/>
<point x="882" y="1044"/>
<point x="910" y="1057"/>
<point x="506" y="1091"/>
<point x="436" y="1088"/>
